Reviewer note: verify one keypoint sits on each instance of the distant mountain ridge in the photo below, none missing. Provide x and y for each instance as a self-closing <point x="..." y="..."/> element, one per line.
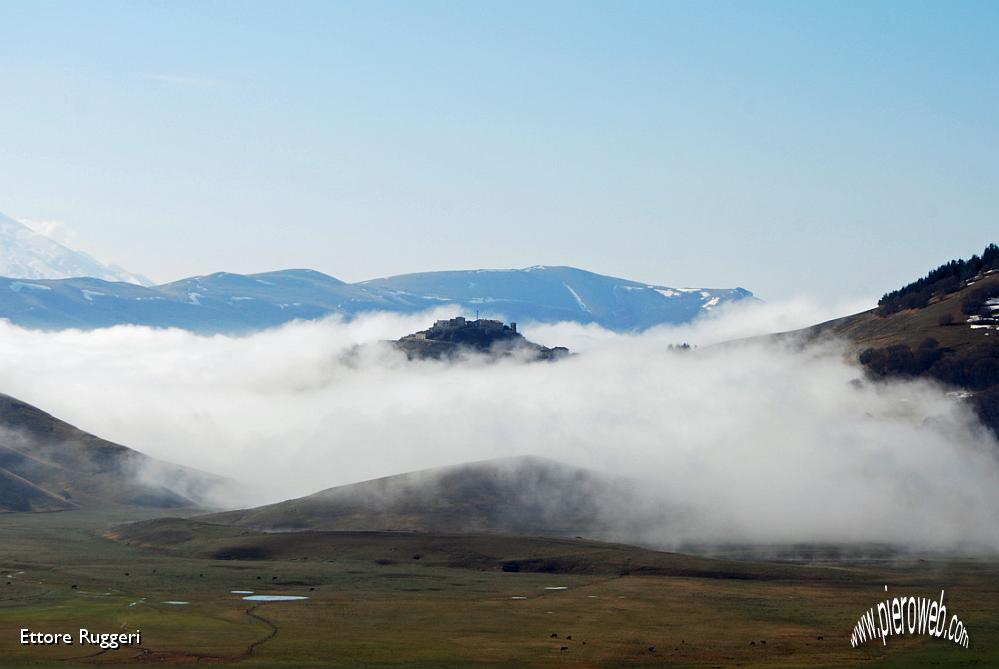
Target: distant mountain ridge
<point x="27" y="254"/>
<point x="237" y="303"/>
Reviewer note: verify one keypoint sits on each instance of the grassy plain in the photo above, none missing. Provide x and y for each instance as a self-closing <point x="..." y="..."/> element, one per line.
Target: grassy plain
<point x="405" y="600"/>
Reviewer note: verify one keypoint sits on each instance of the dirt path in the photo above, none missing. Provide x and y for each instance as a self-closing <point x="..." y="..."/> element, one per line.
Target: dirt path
<point x="148" y="655"/>
<point x="273" y="633"/>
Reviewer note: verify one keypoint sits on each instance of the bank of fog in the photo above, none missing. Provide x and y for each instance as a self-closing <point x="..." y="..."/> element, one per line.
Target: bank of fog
<point x="754" y="442"/>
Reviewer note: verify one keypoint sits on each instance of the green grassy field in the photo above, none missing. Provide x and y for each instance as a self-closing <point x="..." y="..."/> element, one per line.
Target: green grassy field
<point x="372" y="603"/>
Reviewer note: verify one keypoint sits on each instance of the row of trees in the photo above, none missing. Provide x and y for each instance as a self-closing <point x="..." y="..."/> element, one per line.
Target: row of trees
<point x="941" y="281"/>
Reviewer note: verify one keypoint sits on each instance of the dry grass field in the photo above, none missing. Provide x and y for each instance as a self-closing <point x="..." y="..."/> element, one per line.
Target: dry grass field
<point x="410" y="600"/>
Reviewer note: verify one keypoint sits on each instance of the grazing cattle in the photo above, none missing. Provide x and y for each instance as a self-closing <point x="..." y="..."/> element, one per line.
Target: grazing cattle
<point x="563" y="649"/>
<point x="752" y="643"/>
<point x="554" y="635"/>
<point x="764" y="642"/>
<point x="569" y="638"/>
<point x="820" y="638"/>
<point x="652" y="649"/>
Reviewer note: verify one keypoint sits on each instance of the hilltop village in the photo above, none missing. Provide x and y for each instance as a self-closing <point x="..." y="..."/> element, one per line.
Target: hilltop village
<point x="456" y="336"/>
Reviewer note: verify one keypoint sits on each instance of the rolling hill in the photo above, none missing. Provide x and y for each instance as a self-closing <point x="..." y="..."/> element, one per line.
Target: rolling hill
<point x="49" y="465"/>
<point x="236" y="303"/>
<point x="519" y="495"/>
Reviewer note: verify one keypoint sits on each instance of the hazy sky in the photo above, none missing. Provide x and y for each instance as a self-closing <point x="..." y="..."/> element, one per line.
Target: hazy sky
<point x="829" y="149"/>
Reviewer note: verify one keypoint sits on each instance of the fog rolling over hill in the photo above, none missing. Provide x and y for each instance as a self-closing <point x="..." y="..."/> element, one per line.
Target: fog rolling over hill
<point x="27" y="254"/>
<point x="517" y="495"/>
<point x="236" y="303"/>
<point x="49" y="465"/>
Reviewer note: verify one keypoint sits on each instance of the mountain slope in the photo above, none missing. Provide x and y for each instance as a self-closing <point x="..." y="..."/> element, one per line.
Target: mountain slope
<point x="550" y="294"/>
<point x="235" y="303"/>
<point x="49" y="465"/>
<point x="941" y="319"/>
<point x="521" y="495"/>
<point x="26" y="254"/>
<point x="944" y="327"/>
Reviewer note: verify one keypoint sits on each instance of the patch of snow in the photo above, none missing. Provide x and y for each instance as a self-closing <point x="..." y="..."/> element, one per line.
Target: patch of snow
<point x="688" y="290"/>
<point x="89" y="295"/>
<point x="579" y="300"/>
<point x="240" y="299"/>
<point x="667" y="292"/>
<point x="194" y="298"/>
<point x="266" y="283"/>
<point x="18" y="286"/>
<point x="556" y="587"/>
<point x="713" y="302"/>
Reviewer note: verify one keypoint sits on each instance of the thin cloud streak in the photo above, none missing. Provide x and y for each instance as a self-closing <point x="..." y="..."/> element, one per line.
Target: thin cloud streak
<point x="185" y="81"/>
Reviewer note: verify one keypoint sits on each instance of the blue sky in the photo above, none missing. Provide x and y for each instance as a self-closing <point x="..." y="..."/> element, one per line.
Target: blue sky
<point x="833" y="149"/>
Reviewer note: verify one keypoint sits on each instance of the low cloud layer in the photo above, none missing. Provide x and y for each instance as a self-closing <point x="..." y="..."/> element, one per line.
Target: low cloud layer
<point x="757" y="442"/>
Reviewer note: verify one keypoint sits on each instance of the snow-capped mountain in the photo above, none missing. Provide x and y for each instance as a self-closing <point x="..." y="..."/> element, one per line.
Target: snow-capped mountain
<point x="26" y="254"/>
<point x="549" y="294"/>
<point x="234" y="303"/>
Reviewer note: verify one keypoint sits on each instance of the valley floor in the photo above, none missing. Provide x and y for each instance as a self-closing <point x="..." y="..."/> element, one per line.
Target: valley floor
<point x="384" y="600"/>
